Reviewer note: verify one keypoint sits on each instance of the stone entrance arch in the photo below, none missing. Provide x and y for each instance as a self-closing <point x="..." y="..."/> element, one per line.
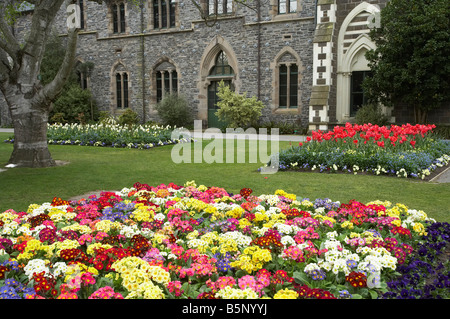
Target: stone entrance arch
<point x="353" y="43"/>
<point x="208" y="60"/>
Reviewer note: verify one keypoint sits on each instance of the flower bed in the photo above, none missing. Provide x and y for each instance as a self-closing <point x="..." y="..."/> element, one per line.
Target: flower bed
<point x="201" y="242"/>
<point x="403" y="151"/>
<point x="110" y="135"/>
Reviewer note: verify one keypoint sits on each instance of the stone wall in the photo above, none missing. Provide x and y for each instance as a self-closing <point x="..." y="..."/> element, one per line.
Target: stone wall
<point x="309" y="36"/>
<point x="140" y="49"/>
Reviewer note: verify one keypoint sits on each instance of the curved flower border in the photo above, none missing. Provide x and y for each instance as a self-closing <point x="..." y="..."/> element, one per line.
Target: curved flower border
<point x="173" y="241"/>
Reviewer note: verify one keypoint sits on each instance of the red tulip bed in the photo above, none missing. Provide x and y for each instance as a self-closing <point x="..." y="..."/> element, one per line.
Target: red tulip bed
<point x="409" y="151"/>
<point x="198" y="242"/>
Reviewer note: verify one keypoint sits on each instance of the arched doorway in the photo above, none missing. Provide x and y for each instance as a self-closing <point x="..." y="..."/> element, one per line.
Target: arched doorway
<point x="352" y="67"/>
<point x="221" y="71"/>
<point x="217" y="63"/>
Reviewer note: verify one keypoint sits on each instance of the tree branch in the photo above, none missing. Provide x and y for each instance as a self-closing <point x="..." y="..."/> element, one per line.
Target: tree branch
<point x="52" y="89"/>
<point x="43" y="16"/>
<point x="8" y="42"/>
<point x="5" y="67"/>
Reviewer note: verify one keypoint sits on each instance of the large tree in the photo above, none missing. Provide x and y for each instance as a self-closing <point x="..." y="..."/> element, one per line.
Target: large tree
<point x="28" y="100"/>
<point x="411" y="62"/>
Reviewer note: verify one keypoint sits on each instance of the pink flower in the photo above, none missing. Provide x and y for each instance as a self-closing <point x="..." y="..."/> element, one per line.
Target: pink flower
<point x="87" y="279"/>
<point x="175" y="287"/>
<point x="105" y="293"/>
<point x="100" y="236"/>
<point x="85" y="238"/>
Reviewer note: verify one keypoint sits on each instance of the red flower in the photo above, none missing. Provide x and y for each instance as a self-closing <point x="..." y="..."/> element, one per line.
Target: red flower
<point x="57" y="201"/>
<point x="357" y="279"/>
<point x="245" y="192"/>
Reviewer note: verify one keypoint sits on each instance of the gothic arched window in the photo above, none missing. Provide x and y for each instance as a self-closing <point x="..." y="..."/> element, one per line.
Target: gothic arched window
<point x="166" y="77"/>
<point x="164" y="14"/>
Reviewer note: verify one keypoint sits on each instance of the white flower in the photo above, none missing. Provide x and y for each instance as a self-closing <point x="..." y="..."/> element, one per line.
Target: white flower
<point x="310" y="267"/>
<point x="340" y="265"/>
<point x="59" y="268"/>
<point x="332" y="235"/>
<point x="35" y="266"/>
<point x="287" y="241"/>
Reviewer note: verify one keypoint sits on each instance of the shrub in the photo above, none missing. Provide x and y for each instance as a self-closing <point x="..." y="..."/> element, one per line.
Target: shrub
<point x="174" y="110"/>
<point x="58" y="118"/>
<point x="104" y="117"/>
<point x="73" y="102"/>
<point x="284" y="128"/>
<point x="371" y="113"/>
<point x="237" y="110"/>
<point x="129" y="117"/>
<point x="443" y="131"/>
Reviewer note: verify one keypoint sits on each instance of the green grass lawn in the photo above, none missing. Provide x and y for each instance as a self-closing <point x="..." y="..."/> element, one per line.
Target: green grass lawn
<point x="92" y="169"/>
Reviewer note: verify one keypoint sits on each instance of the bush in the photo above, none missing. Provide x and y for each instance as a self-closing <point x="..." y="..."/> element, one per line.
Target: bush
<point x="72" y="103"/>
<point x="371" y="113"/>
<point x="443" y="131"/>
<point x="58" y="118"/>
<point x="284" y="128"/>
<point x="237" y="110"/>
<point x="174" y="110"/>
<point x="129" y="117"/>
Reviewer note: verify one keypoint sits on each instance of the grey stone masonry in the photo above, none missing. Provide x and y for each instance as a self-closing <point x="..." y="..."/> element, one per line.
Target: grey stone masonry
<point x="251" y="44"/>
<point x="325" y="39"/>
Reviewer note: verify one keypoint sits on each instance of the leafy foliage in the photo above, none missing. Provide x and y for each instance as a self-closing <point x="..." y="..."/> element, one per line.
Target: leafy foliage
<point x="412" y="60"/>
<point x="371" y="113"/>
<point x="129" y="117"/>
<point x="74" y="104"/>
<point x="174" y="110"/>
<point x="237" y="110"/>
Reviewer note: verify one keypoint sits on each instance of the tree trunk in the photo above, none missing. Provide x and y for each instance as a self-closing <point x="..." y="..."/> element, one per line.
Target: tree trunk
<point x="30" y="136"/>
<point x="420" y="116"/>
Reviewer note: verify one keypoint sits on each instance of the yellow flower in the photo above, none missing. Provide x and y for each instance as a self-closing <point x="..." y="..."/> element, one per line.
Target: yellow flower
<point x="32" y="207"/>
<point x="33" y="247"/>
<point x="103" y="225"/>
<point x="396" y="222"/>
<point x="419" y="228"/>
<point x="307" y="203"/>
<point x="347" y="224"/>
<point x="192" y="235"/>
<point x="143" y="214"/>
<point x="236" y="212"/>
<point x="228" y="245"/>
<point x="84" y="229"/>
<point x="244" y="222"/>
<point x="191" y="183"/>
<point x="286" y="294"/>
<point x="235" y="293"/>
<point x="280" y="192"/>
<point x="260" y="216"/>
<point x="252" y="259"/>
<point x="93" y="247"/>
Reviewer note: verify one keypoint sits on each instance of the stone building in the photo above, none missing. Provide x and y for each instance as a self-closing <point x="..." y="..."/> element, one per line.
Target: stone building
<point x="304" y="59"/>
